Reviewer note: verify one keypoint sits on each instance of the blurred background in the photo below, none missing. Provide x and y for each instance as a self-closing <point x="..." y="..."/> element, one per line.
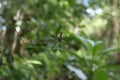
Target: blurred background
<point x="59" y="39"/>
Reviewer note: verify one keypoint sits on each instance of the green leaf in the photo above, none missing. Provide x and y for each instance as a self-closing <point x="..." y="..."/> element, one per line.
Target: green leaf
<point x="97" y="47"/>
<point x="34" y="62"/>
<point x="93" y="47"/>
<point x="85" y="42"/>
<point x="108" y="50"/>
<point x="110" y="67"/>
<point x="91" y="44"/>
<point x="100" y="75"/>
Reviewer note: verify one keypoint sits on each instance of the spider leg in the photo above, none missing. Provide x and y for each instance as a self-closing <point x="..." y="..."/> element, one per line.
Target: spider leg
<point x="62" y="42"/>
<point x="60" y="46"/>
<point x="55" y="44"/>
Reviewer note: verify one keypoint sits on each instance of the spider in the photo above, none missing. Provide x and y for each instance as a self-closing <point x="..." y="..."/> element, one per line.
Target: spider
<point x="59" y="40"/>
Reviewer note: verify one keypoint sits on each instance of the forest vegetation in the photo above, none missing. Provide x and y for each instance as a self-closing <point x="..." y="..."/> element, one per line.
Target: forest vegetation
<point x="59" y="39"/>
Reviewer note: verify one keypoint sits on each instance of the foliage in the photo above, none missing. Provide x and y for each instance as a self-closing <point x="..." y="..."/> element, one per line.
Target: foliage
<point x="33" y="48"/>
